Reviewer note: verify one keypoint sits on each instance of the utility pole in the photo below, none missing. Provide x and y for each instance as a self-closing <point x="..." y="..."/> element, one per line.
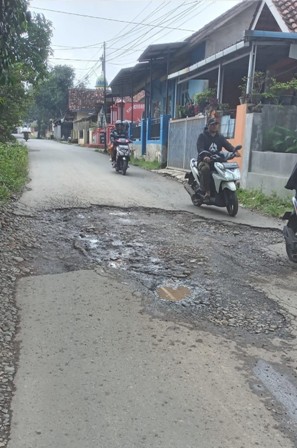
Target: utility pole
<point x="104" y="107"/>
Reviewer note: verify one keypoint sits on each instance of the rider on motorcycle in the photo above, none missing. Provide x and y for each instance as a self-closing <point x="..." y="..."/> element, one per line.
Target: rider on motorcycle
<point x="210" y="142"/>
<point x="120" y="131"/>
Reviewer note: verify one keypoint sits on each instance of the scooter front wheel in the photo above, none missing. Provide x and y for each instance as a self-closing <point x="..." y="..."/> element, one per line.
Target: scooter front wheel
<point x="231" y="201"/>
<point x="124" y="167"/>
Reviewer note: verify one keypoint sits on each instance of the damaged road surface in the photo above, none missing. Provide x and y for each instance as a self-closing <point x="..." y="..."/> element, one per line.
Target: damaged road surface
<point x="145" y="327"/>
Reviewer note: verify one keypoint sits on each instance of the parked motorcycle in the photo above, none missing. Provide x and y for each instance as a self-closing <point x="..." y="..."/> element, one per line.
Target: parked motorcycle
<point x="123" y="153"/>
<point x="225" y="178"/>
<point x="290" y="229"/>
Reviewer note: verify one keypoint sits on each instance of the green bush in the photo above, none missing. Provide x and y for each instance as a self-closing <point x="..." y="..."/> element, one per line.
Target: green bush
<point x="13" y="169"/>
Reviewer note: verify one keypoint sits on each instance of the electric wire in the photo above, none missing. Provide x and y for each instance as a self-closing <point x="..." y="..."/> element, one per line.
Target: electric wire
<point x="148" y="37"/>
<point x="168" y="17"/>
<point x="100" y="18"/>
<point x="135" y="27"/>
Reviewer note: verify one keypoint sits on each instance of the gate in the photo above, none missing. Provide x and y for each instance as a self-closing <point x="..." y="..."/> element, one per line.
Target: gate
<point x="182" y="139"/>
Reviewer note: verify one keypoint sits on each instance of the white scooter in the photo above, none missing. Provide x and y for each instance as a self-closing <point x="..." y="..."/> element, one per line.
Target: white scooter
<point x="225" y="177"/>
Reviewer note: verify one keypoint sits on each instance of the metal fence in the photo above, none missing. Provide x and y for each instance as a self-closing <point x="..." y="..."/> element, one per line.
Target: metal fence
<point x="136" y="132"/>
<point x="227" y="127"/>
<point x="182" y="141"/>
<point x="183" y="135"/>
<point x="154" y="129"/>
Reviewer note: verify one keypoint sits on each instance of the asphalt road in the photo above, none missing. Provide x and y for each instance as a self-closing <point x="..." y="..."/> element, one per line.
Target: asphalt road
<point x="70" y="176"/>
<point x="95" y="369"/>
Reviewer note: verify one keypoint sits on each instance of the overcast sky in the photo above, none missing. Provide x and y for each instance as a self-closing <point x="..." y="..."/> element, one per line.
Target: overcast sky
<point x="127" y="27"/>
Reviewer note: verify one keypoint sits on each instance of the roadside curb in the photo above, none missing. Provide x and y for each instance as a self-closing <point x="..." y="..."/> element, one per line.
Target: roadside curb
<point x="177" y="174"/>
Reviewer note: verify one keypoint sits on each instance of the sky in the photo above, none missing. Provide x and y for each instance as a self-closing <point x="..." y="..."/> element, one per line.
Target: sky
<point x="126" y="27"/>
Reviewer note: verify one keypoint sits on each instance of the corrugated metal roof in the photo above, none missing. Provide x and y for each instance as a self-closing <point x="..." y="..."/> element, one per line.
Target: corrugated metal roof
<point x="160" y="50"/>
<point x="128" y="79"/>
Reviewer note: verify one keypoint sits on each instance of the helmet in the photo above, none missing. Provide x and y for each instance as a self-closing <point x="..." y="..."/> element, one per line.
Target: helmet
<point x="119" y="125"/>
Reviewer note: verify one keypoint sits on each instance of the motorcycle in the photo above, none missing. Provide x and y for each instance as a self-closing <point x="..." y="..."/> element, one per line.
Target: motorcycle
<point x="225" y="177"/>
<point x="290" y="229"/>
<point x="123" y="153"/>
<point x="26" y="135"/>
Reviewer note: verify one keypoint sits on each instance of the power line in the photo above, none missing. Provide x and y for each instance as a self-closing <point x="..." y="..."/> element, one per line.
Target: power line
<point x="160" y="26"/>
<point x="105" y="18"/>
<point x="121" y="35"/>
<point x="146" y="36"/>
<point x="69" y="59"/>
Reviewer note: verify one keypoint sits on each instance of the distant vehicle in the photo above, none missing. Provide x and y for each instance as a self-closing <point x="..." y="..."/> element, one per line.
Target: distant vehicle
<point x="123" y="153"/>
<point x="26" y="131"/>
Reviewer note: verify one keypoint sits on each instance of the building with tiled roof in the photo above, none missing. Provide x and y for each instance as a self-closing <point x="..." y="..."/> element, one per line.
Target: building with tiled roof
<point x="288" y="11"/>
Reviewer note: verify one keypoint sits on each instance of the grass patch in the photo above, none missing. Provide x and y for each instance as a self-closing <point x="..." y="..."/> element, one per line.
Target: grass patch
<point x="13" y="169"/>
<point x="147" y="165"/>
<point x="269" y="205"/>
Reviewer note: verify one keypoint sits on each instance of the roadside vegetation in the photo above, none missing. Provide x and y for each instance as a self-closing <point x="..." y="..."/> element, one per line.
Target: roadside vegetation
<point x="147" y="165"/>
<point x="13" y="169"/>
<point x="271" y="205"/>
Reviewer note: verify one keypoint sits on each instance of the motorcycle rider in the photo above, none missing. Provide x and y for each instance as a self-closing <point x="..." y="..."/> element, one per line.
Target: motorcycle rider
<point x="120" y="131"/>
<point x="209" y="143"/>
<point x="25" y="132"/>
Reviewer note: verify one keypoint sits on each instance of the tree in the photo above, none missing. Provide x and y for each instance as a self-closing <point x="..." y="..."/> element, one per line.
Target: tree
<point x="24" y="49"/>
<point x="14" y="19"/>
<point x="50" y="96"/>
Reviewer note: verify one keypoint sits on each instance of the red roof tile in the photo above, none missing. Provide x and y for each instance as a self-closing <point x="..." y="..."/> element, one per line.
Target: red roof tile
<point x="84" y="99"/>
<point x="288" y="11"/>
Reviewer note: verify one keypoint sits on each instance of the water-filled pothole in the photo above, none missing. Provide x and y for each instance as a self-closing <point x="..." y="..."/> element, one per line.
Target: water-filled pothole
<point x="173" y="294"/>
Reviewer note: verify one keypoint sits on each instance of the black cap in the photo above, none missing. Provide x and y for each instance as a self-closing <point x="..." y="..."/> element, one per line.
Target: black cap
<point x="212" y="121"/>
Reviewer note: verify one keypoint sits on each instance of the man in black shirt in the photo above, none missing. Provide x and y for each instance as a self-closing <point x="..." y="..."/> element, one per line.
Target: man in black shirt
<point x="210" y="142"/>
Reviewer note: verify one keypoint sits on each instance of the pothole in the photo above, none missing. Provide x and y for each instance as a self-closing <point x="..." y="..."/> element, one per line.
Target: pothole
<point x="173" y="294"/>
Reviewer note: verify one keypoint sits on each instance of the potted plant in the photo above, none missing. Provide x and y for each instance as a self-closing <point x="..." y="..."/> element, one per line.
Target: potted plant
<point x="204" y="99"/>
<point x="181" y="112"/>
<point x="283" y="92"/>
<point x="255" y="96"/>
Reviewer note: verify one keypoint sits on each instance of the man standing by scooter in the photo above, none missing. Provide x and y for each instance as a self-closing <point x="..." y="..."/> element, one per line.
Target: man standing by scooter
<point x="209" y="143"/>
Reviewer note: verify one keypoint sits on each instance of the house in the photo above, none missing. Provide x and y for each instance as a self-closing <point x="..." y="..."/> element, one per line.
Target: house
<point x="253" y="36"/>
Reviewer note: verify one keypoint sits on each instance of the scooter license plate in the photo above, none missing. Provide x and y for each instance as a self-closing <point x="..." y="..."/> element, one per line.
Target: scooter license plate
<point x="124" y="158"/>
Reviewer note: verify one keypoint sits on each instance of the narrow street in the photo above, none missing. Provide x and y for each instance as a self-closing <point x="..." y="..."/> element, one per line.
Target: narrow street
<point x="130" y="318"/>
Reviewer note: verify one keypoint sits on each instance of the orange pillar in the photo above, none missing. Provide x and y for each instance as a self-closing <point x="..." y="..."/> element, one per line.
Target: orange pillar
<point x="238" y="138"/>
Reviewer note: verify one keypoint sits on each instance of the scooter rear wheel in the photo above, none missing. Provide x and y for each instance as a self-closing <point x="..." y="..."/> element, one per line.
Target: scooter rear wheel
<point x="196" y="201"/>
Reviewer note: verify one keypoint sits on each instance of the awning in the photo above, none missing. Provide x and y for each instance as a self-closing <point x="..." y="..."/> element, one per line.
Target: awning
<point x="129" y="81"/>
<point x="161" y="51"/>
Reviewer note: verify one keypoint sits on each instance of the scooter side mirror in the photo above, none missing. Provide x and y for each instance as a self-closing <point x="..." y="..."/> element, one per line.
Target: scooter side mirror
<point x="237" y="148"/>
